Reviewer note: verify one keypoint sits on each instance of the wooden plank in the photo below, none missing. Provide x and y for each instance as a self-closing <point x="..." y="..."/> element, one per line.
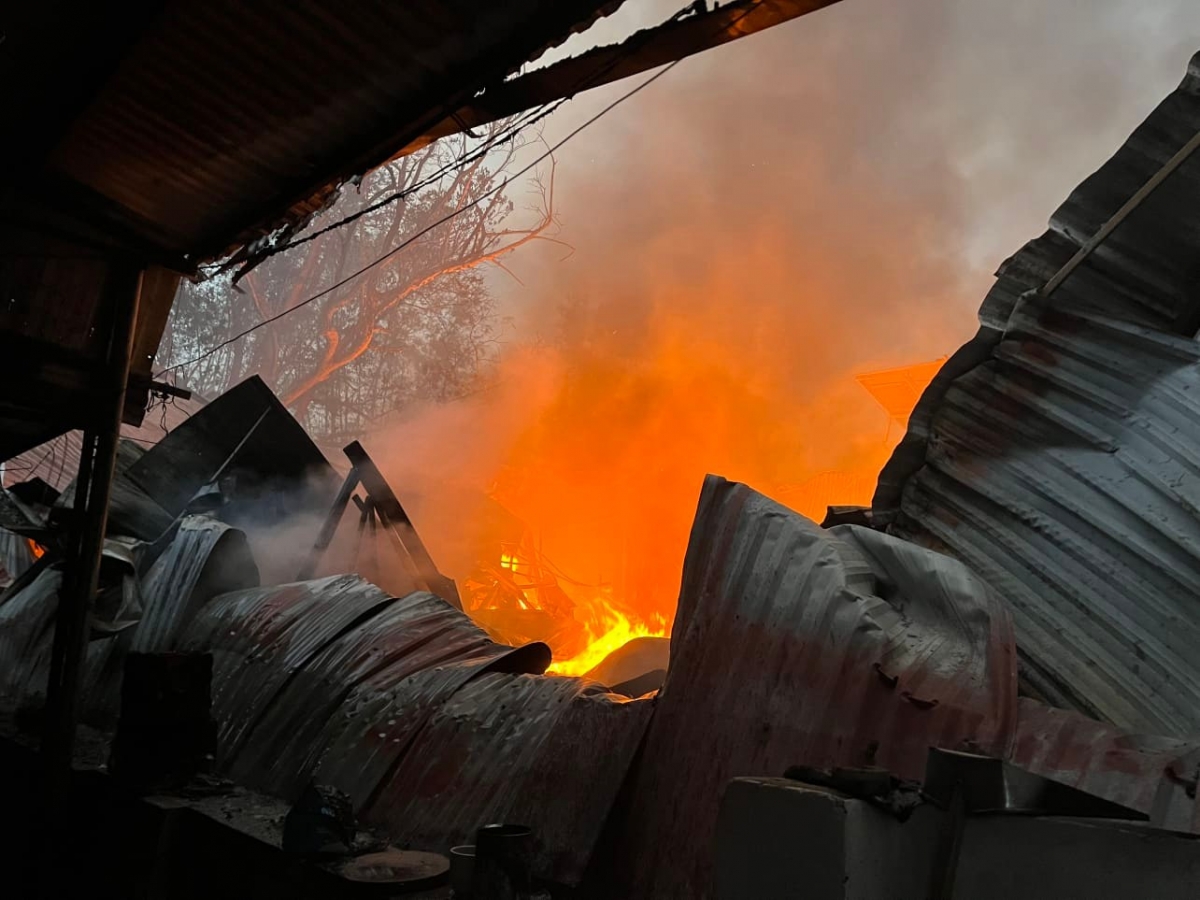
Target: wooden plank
<point x="400" y="527"/>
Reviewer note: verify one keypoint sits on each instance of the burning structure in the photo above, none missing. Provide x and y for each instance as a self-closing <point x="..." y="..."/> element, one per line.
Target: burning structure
<point x="1004" y="629"/>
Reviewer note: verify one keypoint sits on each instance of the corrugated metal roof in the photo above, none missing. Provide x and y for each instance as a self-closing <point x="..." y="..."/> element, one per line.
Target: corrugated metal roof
<point x="1056" y="453"/>
<point x="545" y="751"/>
<point x="26" y="636"/>
<point x="57" y="461"/>
<point x="1151" y="774"/>
<point x="205" y="558"/>
<point x="796" y="645"/>
<point x="263" y="637"/>
<point x="411" y="634"/>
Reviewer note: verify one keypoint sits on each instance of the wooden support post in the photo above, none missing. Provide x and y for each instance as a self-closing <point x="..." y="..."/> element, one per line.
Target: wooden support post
<point x="329" y="526"/>
<point x="400" y="528"/>
<point x="93" y="490"/>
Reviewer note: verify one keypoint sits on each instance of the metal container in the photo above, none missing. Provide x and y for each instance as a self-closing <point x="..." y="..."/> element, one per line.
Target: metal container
<point x="462" y="870"/>
<point x="502" y="857"/>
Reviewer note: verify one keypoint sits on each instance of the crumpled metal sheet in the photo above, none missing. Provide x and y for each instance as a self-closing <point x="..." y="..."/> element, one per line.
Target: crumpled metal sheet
<point x="1154" y="775"/>
<point x="204" y="559"/>
<point x="27" y="637"/>
<point x="263" y="637"/>
<point x="1056" y="453"/>
<point x="546" y="751"/>
<point x="797" y="645"/>
<point x="410" y="634"/>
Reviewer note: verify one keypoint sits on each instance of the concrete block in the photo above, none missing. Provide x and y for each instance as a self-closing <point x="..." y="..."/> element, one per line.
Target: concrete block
<point x="779" y="839"/>
<point x="782" y="840"/>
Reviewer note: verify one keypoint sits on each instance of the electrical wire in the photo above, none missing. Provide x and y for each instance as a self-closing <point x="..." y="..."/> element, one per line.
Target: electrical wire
<point x="522" y="123"/>
<point x="422" y="232"/>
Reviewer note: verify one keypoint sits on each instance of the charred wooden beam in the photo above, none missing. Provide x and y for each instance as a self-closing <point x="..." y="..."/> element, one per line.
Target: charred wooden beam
<point x="642" y="51"/>
<point x="400" y="527"/>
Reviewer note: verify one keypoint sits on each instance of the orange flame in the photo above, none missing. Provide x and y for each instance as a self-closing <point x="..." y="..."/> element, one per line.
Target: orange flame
<point x="607" y="629"/>
<point x="35" y="548"/>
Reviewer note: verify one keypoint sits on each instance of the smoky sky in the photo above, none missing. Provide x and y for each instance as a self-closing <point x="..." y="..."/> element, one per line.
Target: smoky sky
<point x="950" y="127"/>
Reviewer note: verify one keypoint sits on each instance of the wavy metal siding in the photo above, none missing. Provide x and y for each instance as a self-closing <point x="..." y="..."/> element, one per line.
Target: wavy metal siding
<point x="1057" y="453"/>
<point x="26" y="637"/>
<point x="1150" y="774"/>
<point x="546" y="751"/>
<point x="261" y="638"/>
<point x="205" y="558"/>
<point x="414" y="633"/>
<point x="785" y="651"/>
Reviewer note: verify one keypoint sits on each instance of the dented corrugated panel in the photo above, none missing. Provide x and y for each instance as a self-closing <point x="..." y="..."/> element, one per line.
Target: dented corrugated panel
<point x="26" y="636"/>
<point x="262" y="638"/>
<point x="797" y="645"/>
<point x="546" y="751"/>
<point x="205" y="558"/>
<point x="1154" y="775"/>
<point x="1057" y="453"/>
<point x="416" y="632"/>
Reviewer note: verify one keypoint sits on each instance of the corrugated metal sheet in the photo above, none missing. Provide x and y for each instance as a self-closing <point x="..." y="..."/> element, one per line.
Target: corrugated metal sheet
<point x="26" y="637"/>
<point x="1056" y="453"/>
<point x="796" y="645"/>
<point x="206" y="558"/>
<point x="1152" y="774"/>
<point x="545" y="751"/>
<point x="262" y="638"/>
<point x="411" y="634"/>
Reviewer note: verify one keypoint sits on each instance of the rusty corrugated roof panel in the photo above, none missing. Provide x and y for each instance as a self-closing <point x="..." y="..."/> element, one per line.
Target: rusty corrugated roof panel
<point x="1056" y="453"/>
<point x="413" y="633"/>
<point x="797" y="645"/>
<point x="546" y="751"/>
<point x="1151" y="774"/>
<point x="263" y="637"/>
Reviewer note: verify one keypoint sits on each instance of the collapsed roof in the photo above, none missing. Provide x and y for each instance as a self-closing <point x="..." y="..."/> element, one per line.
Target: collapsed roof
<point x="1056" y="452"/>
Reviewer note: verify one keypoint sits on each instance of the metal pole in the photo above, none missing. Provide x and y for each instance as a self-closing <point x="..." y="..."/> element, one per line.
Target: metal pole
<point x="95" y="482"/>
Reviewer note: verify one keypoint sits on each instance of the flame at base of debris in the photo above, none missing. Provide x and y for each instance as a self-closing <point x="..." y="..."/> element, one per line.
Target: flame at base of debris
<point x="608" y="629"/>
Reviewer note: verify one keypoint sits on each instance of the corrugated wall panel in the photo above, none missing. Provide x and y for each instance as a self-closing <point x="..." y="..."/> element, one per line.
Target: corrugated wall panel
<point x="1057" y="453"/>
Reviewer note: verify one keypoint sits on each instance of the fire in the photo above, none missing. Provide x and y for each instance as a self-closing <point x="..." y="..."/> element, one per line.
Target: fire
<point x="35" y="548"/>
<point x="607" y="629"/>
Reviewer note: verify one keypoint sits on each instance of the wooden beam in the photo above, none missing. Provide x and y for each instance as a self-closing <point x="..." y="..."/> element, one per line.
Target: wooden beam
<point x="400" y="527"/>
<point x="642" y="51"/>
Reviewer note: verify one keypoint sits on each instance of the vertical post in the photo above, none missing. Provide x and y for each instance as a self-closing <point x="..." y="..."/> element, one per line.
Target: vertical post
<point x="93" y="490"/>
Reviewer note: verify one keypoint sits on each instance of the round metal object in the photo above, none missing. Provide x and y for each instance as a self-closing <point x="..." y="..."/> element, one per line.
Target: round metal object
<point x="397" y="871"/>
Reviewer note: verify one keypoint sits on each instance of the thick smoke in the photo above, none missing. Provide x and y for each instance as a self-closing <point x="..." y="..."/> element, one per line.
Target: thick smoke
<point x="756" y="228"/>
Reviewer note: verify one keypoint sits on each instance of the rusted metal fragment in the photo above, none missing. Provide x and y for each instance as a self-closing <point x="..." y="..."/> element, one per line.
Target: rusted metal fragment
<point x="797" y="645"/>
<point x="1154" y="775"/>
